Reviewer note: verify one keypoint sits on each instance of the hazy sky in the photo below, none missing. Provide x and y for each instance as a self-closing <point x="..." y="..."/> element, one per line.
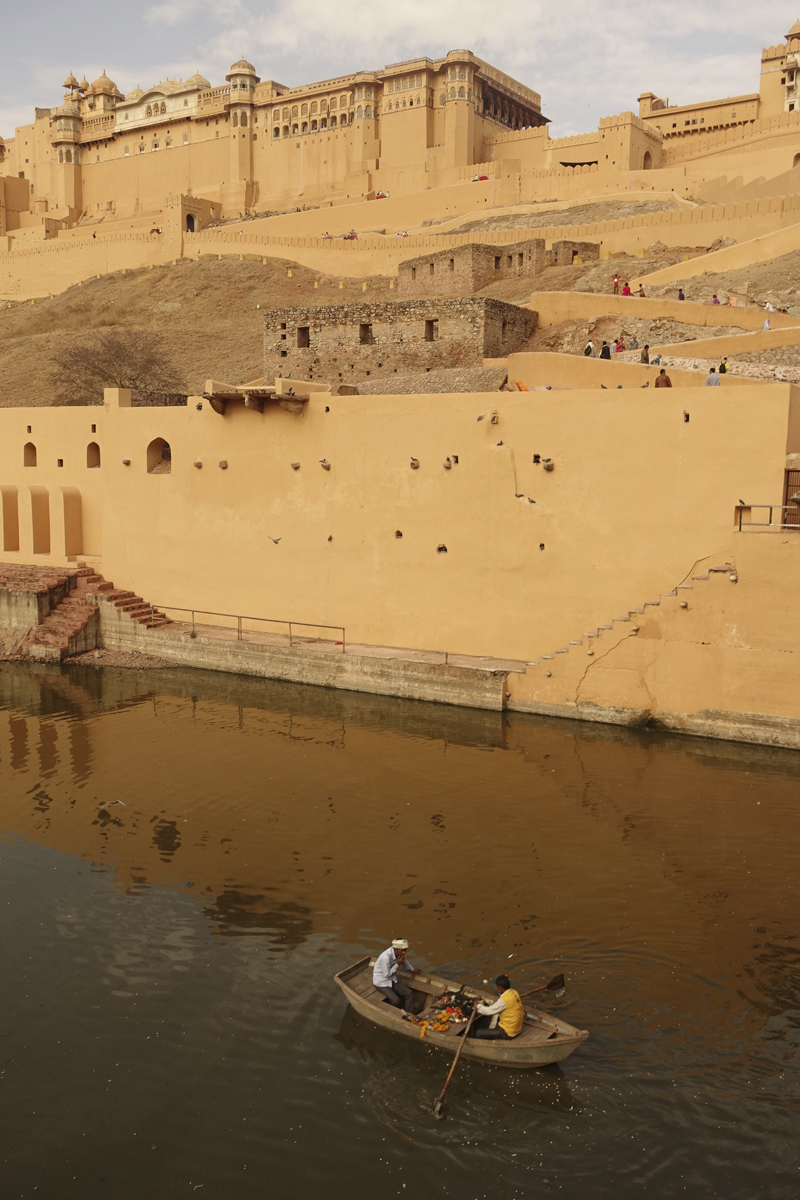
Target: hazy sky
<point x="586" y="60"/>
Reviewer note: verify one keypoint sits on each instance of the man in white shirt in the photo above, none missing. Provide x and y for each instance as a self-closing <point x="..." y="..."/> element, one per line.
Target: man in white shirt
<point x="712" y="378"/>
<point x="384" y="976"/>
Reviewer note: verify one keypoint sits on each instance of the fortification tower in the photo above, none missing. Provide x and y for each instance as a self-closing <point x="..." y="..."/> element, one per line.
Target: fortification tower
<point x="239" y="189"/>
<point x="65" y="140"/>
<point x="459" y="110"/>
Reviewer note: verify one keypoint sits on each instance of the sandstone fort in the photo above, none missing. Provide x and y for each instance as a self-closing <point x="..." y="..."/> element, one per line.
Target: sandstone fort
<point x="395" y="455"/>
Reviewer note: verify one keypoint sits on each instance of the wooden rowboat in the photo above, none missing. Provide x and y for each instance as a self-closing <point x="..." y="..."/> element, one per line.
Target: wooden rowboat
<point x="544" y="1039"/>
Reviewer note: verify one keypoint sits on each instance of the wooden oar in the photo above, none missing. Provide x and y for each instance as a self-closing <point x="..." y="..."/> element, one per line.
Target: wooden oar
<point x="555" y="985"/>
<point x="437" y="1108"/>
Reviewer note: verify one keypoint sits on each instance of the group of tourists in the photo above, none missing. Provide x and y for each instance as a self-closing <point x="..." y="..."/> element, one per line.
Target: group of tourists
<point x="626" y="288"/>
<point x="502" y="1019"/>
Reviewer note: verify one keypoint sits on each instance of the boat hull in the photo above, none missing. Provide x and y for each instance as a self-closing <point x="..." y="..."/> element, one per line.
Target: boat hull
<point x="545" y="1040"/>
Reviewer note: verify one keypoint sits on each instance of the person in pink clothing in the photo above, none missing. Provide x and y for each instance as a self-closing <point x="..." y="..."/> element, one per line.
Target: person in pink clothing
<point x="626" y="291"/>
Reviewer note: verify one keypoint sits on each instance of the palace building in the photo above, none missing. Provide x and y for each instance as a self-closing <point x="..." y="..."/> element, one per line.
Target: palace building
<point x="257" y="143"/>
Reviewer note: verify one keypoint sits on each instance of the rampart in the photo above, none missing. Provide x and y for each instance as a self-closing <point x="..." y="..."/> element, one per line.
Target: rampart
<point x="349" y="342"/>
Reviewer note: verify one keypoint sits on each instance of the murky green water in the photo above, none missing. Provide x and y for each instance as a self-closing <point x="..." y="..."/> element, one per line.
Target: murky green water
<point x="169" y="1024"/>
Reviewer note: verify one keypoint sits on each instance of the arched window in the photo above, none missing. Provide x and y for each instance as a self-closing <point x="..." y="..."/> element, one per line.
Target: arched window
<point x="368" y="111"/>
<point x="141" y="147"/>
<point x="313" y="108"/>
<point x="276" y="116"/>
<point x="61" y="156"/>
<point x="163" y="107"/>
<point x="295" y="129"/>
<point x="149" y="112"/>
<point x="29" y="455"/>
<point x="333" y="103"/>
<point x="159" y="457"/>
<point x="304" y="128"/>
<point x="286" y="131"/>
<point x="276" y="133"/>
<point x="343" y="101"/>
<point x="462" y="73"/>
<point x="304" y="111"/>
<point x="169" y="141"/>
<point x="243" y="121"/>
<point x="313" y="126"/>
<point x="68" y="156"/>
<point x="235" y="120"/>
<point x="333" y="121"/>
<point x="323" y="123"/>
<point x="452" y="93"/>
<point x="359" y="112"/>
<point x="295" y="111"/>
<point x="647" y="164"/>
<point x="462" y="95"/>
<point x="286" y="114"/>
<point x="442" y="98"/>
<point x="191" y="224"/>
<point x="405" y="102"/>
<point x="93" y="455"/>
<point x="323" y="106"/>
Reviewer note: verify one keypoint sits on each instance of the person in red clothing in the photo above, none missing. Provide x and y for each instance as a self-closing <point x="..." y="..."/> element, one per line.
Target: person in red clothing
<point x="626" y="291"/>
<point x="615" y="282"/>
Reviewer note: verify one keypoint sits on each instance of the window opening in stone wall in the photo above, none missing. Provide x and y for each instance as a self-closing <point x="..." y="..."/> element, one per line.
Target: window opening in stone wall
<point x="451" y="266"/>
<point x="10" y="515"/>
<point x="504" y="328"/>
<point x="303" y="337"/>
<point x="365" y="335"/>
<point x="520" y="260"/>
<point x="159" y="457"/>
<point x="93" y="455"/>
<point x="432" y="331"/>
<point x="497" y="262"/>
<point x="29" y="455"/>
<point x="430" y="268"/>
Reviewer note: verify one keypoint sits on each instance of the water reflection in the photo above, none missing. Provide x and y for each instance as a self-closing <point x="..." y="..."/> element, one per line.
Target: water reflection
<point x="267" y="833"/>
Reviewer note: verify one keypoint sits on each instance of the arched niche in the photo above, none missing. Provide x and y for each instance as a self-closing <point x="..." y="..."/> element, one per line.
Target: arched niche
<point x="190" y="223"/>
<point x="159" y="457"/>
<point x="29" y="455"/>
<point x="647" y="162"/>
<point x="93" y="455"/>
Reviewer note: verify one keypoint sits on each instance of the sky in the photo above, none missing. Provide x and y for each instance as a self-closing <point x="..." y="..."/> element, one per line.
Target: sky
<point x="587" y="60"/>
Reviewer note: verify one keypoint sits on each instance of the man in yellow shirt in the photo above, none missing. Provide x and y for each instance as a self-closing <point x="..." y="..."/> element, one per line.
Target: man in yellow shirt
<point x="508" y="1010"/>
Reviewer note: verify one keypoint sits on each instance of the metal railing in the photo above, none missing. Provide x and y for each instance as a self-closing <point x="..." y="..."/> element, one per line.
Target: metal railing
<point x="238" y="618"/>
<point x="746" y="522"/>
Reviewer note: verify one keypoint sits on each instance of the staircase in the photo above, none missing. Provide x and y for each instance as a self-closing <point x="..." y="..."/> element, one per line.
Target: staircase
<point x="632" y="613"/>
<point x="73" y="626"/>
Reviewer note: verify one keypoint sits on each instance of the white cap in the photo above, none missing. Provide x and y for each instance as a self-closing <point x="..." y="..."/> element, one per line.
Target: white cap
<point x="399" y="944"/>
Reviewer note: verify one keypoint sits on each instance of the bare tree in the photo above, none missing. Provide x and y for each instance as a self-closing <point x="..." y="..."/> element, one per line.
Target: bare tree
<point x="119" y="357"/>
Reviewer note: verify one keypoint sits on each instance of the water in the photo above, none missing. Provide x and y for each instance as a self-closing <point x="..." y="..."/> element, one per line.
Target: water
<point x="168" y="1020"/>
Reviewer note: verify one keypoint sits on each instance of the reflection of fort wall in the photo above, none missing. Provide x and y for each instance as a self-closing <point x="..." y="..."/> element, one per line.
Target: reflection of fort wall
<point x="285" y="823"/>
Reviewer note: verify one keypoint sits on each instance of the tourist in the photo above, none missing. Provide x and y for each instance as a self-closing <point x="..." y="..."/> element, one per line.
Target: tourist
<point x="615" y="282"/>
<point x="605" y="351"/>
<point x="768" y="307"/>
<point x="765" y="326"/>
<point x="723" y="367"/>
<point x="715" y="299"/>
<point x="626" y="291"/>
<point x="680" y="294"/>
<point x="712" y="378"/>
<point x="634" y="343"/>
<point x="384" y="976"/>
<point x="644" y="357"/>
<point x="589" y="350"/>
<point x="619" y="345"/>
<point x="655" y="360"/>
<point x="641" y="292"/>
<point x="663" y="379"/>
<point x="733" y="302"/>
<point x="508" y="1010"/>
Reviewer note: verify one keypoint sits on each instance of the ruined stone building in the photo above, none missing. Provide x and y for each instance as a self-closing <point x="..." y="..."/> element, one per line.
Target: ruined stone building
<point x="464" y="270"/>
<point x="346" y="343"/>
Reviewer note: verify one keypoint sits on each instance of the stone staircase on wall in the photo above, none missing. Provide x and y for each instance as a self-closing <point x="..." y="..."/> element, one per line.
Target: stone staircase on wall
<point x="599" y="636"/>
<point x="73" y="625"/>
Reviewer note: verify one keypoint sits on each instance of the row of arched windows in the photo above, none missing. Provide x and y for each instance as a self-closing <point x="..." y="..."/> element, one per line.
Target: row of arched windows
<point x="67" y="156"/>
<point x="237" y="120"/>
<point x="315" y="127"/>
<point x="410" y="103"/>
<point x="396" y="85"/>
<point x="153" y="110"/>
<point x="306" y="110"/>
<point x="29" y="455"/>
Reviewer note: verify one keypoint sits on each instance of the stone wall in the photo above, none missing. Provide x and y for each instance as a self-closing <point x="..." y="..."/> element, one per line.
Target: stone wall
<point x="464" y="270"/>
<point x="563" y="253"/>
<point x="348" y="343"/>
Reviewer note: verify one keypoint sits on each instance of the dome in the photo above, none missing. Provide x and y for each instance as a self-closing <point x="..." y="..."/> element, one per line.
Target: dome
<point x="794" y="31"/>
<point x="134" y="93"/>
<point x="242" y="67"/>
<point x="197" y="80"/>
<point x="105" y="85"/>
<point x="70" y="81"/>
<point x="84" y="84"/>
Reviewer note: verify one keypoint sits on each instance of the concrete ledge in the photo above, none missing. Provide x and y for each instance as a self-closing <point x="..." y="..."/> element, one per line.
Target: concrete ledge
<point x="758" y="728"/>
<point x="439" y="683"/>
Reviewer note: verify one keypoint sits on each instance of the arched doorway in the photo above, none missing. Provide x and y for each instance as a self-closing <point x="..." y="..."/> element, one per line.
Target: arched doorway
<point x="190" y="223"/>
<point x="647" y="163"/>
<point x="796" y="160"/>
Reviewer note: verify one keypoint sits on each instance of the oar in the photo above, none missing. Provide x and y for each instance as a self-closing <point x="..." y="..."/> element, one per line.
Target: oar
<point x="555" y="985"/>
<point x="437" y="1108"/>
